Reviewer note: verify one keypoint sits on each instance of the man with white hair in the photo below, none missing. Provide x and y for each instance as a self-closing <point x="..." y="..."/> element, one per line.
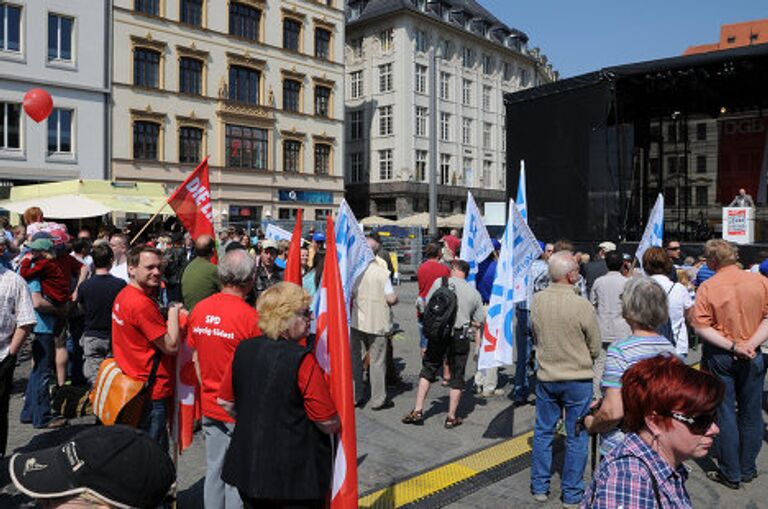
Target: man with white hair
<point x="597" y="267"/>
<point x="567" y="339"/>
<point x="216" y="326"/>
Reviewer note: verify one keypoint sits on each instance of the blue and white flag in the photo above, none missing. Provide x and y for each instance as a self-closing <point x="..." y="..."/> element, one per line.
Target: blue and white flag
<point x="519" y="249"/>
<point x="274" y="232"/>
<point x="654" y="230"/>
<point x="521" y="201"/>
<point x="352" y="249"/>
<point x="476" y="244"/>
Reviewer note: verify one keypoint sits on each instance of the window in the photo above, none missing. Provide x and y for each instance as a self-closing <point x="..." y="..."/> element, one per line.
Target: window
<point x="291" y="156"/>
<point x="509" y="71"/>
<point x="190" y="144"/>
<point x="672" y="165"/>
<point x="60" y="38"/>
<point x="247" y="147"/>
<point x="422" y="41"/>
<point x="421" y="78"/>
<point x="469" y="174"/>
<point x="466" y="92"/>
<point x="653" y="163"/>
<point x="356" y="46"/>
<point x="291" y="34"/>
<point x="487" y="128"/>
<point x="190" y="76"/>
<point x="468" y="57"/>
<point x="670" y="196"/>
<point x="322" y="214"/>
<point x="60" y="131"/>
<point x="191" y="12"/>
<point x="486" y="98"/>
<point x="446" y="49"/>
<point x="356" y="125"/>
<point x="385" y="164"/>
<point x="284" y="213"/>
<point x="503" y="138"/>
<point x="322" y="101"/>
<point x="10" y="28"/>
<point x="291" y="95"/>
<point x="244" y="84"/>
<point x="10" y="125"/>
<point x="466" y="131"/>
<point x="672" y="133"/>
<point x="701" y="131"/>
<point x="445" y="169"/>
<point x="244" y="21"/>
<point x="445" y="86"/>
<point x="487" y="64"/>
<point x="356" y="167"/>
<point x="702" y="196"/>
<point x="322" y="43"/>
<point x="147" y="6"/>
<point x="387" y="39"/>
<point x="731" y="39"/>
<point x="322" y="159"/>
<point x="356" y="82"/>
<point x="146" y="136"/>
<point x="421" y="166"/>
<point x="421" y="120"/>
<point x="524" y="78"/>
<point x="487" y="171"/>
<point x="445" y="126"/>
<point x="146" y="68"/>
<point x="701" y="164"/>
<point x="385" y="120"/>
<point x="753" y="38"/>
<point x="385" y="78"/>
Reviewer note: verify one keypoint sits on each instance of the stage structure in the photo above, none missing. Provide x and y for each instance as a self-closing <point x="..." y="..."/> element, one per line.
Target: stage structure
<point x="598" y="148"/>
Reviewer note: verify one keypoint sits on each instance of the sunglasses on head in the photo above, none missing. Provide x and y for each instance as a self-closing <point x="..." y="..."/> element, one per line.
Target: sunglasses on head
<point x="697" y="425"/>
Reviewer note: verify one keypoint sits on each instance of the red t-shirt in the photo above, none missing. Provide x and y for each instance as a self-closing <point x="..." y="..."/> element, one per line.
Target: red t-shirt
<point x="136" y="323"/>
<point x="428" y="273"/>
<point x="317" y="400"/>
<point x="215" y="328"/>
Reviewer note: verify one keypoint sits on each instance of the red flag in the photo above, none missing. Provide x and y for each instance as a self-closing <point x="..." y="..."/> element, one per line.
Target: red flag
<point x="293" y="264"/>
<point x="187" y="391"/>
<point x="192" y="202"/>
<point x="334" y="356"/>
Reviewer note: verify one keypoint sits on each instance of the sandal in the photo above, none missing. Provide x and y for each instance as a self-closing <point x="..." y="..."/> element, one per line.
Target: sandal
<point x="414" y="417"/>
<point x="451" y="423"/>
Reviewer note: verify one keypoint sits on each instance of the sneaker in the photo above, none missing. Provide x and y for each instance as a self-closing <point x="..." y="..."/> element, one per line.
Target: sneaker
<point x="540" y="497"/>
<point x="493" y="393"/>
<point x="383" y="406"/>
<point x="567" y="505"/>
<point x="719" y="478"/>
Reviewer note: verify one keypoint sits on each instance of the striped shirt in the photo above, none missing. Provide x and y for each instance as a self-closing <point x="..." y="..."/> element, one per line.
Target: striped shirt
<point x="625" y="480"/>
<point x="622" y="354"/>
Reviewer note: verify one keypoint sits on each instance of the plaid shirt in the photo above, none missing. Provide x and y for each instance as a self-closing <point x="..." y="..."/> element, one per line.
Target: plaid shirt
<point x="623" y="480"/>
<point x="15" y="307"/>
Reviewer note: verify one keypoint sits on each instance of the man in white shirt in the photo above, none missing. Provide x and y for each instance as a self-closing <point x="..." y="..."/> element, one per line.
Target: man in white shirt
<point x="119" y="244"/>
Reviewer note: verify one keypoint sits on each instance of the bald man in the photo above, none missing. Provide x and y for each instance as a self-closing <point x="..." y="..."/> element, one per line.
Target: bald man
<point x="742" y="200"/>
<point x="200" y="279"/>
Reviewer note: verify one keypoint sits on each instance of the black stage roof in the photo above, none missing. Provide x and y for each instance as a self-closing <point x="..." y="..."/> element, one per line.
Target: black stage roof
<point x="580" y="137"/>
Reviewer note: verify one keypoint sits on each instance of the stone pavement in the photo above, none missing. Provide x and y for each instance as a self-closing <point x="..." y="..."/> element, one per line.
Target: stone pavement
<point x="389" y="451"/>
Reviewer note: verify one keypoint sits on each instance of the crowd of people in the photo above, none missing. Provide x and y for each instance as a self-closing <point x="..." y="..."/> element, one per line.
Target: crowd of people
<point x="601" y="341"/>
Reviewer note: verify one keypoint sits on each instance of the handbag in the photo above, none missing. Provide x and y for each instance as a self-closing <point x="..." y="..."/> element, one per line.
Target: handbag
<point x="117" y="398"/>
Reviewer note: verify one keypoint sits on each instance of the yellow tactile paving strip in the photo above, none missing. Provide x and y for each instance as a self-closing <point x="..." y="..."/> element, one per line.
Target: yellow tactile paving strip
<point x="440" y="478"/>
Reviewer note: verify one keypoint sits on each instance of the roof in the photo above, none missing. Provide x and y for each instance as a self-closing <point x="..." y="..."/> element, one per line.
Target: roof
<point x="372" y="9"/>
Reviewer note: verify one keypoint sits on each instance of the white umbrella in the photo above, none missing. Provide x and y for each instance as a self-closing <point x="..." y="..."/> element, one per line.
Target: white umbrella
<point x="376" y="221"/>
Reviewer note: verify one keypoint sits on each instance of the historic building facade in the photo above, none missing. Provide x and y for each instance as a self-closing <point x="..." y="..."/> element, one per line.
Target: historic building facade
<point x="58" y="46"/>
<point x="255" y="84"/>
<point x="390" y="79"/>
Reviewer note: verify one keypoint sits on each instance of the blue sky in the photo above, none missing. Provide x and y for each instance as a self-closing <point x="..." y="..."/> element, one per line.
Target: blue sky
<point x="580" y="37"/>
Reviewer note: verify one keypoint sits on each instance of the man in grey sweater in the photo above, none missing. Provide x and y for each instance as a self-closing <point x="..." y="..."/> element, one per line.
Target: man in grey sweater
<point x="567" y="339"/>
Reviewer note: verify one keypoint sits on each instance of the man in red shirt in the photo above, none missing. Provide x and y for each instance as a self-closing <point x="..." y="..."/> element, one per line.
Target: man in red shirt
<point x="215" y="328"/>
<point x="428" y="272"/>
<point x="142" y="340"/>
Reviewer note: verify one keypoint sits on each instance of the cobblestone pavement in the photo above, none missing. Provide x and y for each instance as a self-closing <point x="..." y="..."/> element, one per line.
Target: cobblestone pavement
<point x="389" y="451"/>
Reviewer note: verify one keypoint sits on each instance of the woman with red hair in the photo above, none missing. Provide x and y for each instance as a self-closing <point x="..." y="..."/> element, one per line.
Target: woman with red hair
<point x="669" y="417"/>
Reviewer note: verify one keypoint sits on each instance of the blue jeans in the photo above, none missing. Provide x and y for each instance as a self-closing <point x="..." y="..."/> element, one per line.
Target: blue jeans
<point x="155" y="421"/>
<point x="741" y="432"/>
<point x="551" y="398"/>
<point x="524" y="345"/>
<point x="216" y="493"/>
<point x="37" y="397"/>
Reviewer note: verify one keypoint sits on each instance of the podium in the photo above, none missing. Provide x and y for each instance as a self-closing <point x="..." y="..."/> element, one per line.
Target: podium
<point x="739" y="224"/>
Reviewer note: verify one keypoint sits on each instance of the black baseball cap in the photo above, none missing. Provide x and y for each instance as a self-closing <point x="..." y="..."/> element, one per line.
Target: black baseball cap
<point x="118" y="464"/>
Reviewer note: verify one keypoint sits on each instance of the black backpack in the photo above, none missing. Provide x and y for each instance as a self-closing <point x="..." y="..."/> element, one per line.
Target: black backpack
<point x="440" y="314"/>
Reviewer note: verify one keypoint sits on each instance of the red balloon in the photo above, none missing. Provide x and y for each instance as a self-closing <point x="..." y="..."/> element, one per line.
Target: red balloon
<point x="38" y="104"/>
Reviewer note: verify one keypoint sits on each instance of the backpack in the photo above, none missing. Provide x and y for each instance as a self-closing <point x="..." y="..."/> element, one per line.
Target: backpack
<point x="440" y="314"/>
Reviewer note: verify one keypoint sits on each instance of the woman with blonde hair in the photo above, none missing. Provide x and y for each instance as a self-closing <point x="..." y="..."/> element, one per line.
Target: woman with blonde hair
<point x="280" y="454"/>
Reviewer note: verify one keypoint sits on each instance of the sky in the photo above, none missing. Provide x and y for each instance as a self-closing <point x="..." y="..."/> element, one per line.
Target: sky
<point x="584" y="36"/>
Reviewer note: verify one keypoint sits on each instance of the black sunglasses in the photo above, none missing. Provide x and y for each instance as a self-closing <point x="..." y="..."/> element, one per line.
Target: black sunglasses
<point x="698" y="425"/>
<point x="306" y="313"/>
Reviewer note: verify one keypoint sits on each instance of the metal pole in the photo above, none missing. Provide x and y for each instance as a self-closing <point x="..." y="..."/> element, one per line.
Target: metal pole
<point x="433" y="144"/>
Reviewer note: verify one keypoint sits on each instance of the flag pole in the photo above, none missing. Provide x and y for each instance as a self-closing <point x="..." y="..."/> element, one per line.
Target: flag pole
<point x="146" y="225"/>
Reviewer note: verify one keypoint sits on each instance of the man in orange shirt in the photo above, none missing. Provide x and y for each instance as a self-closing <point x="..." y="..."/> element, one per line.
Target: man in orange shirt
<point x="216" y="326"/>
<point x="731" y="316"/>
